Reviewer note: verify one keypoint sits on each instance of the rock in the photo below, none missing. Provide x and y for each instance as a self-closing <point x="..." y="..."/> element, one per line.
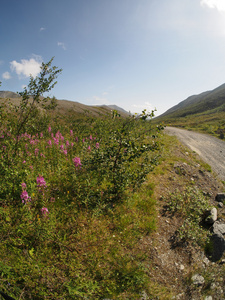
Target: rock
<point x="220" y="204"/>
<point x="208" y="298"/>
<point x="212" y="216"/>
<point x="144" y="296"/>
<point x="218" y="245"/>
<point x="181" y="267"/>
<point x="219" y="228"/>
<point x="220" y="197"/>
<point x="198" y="279"/>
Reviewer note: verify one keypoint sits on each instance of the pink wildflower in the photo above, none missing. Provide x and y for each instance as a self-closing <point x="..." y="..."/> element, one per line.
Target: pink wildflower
<point x="24" y="196"/>
<point x="36" y="151"/>
<point x="24" y="162"/>
<point x="89" y="148"/>
<point x="97" y="145"/>
<point x="67" y="143"/>
<point x="90" y="137"/>
<point x="41" y="182"/>
<point x="71" y="132"/>
<point x="50" y="143"/>
<point x="65" y="152"/>
<point x="23" y="185"/>
<point x="44" y="211"/>
<point x="77" y="162"/>
<point x="49" y="129"/>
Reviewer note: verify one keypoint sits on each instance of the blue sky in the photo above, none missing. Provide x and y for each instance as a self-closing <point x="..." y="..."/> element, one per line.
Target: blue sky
<point x="133" y="53"/>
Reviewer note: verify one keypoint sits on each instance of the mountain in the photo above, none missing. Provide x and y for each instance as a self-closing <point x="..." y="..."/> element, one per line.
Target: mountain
<point x="205" y="103"/>
<point x="115" y="107"/>
<point x="8" y="94"/>
<point x="64" y="106"/>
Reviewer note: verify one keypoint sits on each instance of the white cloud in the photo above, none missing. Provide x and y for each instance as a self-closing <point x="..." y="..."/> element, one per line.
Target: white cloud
<point x="42" y="29"/>
<point x="23" y="86"/>
<point x="60" y="44"/>
<point x="6" y="75"/>
<point x="27" y="67"/>
<point x="218" y="4"/>
<point x="100" y="100"/>
<point x="146" y="105"/>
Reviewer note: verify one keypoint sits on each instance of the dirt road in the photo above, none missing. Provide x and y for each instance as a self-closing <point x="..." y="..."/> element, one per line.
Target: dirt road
<point x="209" y="148"/>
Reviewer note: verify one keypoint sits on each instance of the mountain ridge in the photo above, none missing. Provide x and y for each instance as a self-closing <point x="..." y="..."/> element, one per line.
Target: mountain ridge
<point x="201" y="103"/>
<point x="65" y="105"/>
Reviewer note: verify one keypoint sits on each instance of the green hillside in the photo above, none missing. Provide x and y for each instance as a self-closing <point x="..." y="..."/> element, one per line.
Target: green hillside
<point x="204" y="112"/>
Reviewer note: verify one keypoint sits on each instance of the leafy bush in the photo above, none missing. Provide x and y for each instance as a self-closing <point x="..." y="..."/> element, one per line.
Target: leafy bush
<point x="69" y="215"/>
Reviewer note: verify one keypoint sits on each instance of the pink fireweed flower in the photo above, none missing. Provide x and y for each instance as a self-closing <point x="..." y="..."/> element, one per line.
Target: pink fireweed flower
<point x="50" y="143"/>
<point x="77" y="162"/>
<point x="90" y="137"/>
<point x="71" y="132"/>
<point x="44" y="211"/>
<point x="76" y="139"/>
<point x="41" y="135"/>
<point x="56" y="141"/>
<point x="24" y="196"/>
<point x="41" y="182"/>
<point x="23" y="184"/>
<point x="67" y="143"/>
<point x="83" y="140"/>
<point x="36" y="151"/>
<point x="97" y="145"/>
<point x="49" y="129"/>
<point x="61" y="147"/>
<point x="89" y="148"/>
<point x="24" y="162"/>
<point x="71" y="144"/>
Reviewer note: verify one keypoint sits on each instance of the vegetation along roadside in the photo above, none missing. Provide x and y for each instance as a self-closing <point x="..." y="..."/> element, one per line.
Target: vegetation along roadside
<point x="99" y="207"/>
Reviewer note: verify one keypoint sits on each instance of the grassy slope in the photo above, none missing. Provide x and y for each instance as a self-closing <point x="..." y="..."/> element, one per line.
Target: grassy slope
<point x="132" y="249"/>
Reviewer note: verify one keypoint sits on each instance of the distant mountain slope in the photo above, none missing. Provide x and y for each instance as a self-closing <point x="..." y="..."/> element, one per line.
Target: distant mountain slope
<point x="64" y="106"/>
<point x="206" y="102"/>
<point x="115" y="107"/>
<point x="8" y="94"/>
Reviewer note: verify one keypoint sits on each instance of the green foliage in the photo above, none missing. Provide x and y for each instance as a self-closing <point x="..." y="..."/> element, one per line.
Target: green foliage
<point x="73" y="206"/>
<point x="191" y="206"/>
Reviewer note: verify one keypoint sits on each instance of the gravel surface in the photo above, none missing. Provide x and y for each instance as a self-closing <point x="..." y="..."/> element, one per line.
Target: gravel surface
<point x="209" y="148"/>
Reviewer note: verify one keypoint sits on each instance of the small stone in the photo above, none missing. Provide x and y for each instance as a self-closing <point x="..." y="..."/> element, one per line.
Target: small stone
<point x="181" y="267"/>
<point x="198" y="279"/>
<point x="213" y="286"/>
<point x="206" y="261"/>
<point x="220" y="204"/>
<point x="220" y="197"/>
<point x="212" y="217"/>
<point x="208" y="298"/>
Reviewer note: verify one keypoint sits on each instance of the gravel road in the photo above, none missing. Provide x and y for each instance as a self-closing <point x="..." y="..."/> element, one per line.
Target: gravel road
<point x="209" y="148"/>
